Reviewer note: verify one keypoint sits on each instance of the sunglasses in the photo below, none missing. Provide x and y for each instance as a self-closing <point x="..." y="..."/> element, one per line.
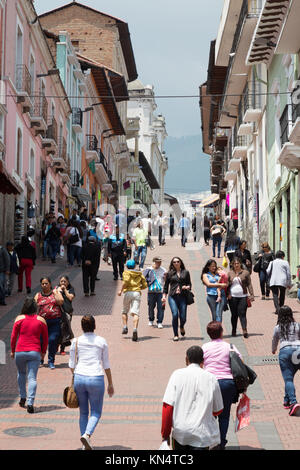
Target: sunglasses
<point x="176" y="262"/>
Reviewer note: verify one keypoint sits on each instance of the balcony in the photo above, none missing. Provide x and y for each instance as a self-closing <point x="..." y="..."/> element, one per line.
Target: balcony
<point x="50" y="141"/>
<point x="101" y="173"/>
<point x="252" y="102"/>
<point x="240" y="146"/>
<point x="230" y="176"/>
<point x="75" y="178"/>
<point x="66" y="178"/>
<point x="216" y="168"/>
<point x="234" y="164"/>
<point x="91" y="148"/>
<point x="39" y="113"/>
<point x="123" y="159"/>
<point x="295" y="132"/>
<point x="290" y="142"/>
<point x="133" y="127"/>
<point x="243" y="128"/>
<point x="60" y="160"/>
<point x="23" y="86"/>
<point x="237" y="71"/>
<point x="77" y="120"/>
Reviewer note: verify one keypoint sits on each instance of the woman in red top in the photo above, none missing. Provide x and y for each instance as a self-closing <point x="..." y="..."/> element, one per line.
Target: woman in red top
<point x="26" y="347"/>
<point x="49" y="302"/>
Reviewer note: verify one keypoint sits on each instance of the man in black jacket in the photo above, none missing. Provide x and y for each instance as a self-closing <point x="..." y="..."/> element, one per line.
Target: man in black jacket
<point x="117" y="251"/>
<point x="90" y="255"/>
<point x="4" y="271"/>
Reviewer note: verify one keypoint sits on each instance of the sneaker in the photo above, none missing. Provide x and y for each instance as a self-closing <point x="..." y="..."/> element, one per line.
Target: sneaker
<point x="92" y="293"/>
<point x="125" y="330"/>
<point x="286" y="405"/>
<point x="63" y="353"/>
<point x="51" y="365"/>
<point x="30" y="409"/>
<point x="294" y="408"/>
<point x="86" y="294"/>
<point x="175" y="338"/>
<point x="134" y="336"/>
<point x="22" y="402"/>
<point x="85" y="439"/>
<point x="150" y="323"/>
<point x="159" y="325"/>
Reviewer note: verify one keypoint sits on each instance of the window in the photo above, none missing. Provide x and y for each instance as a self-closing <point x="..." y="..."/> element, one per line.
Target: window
<point x="31" y="164"/>
<point x="19" y="152"/>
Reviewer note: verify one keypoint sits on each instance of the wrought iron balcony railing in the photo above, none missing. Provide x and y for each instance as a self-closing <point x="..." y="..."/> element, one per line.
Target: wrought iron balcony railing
<point x="91" y="143"/>
<point x="51" y="132"/>
<point x="39" y="107"/>
<point x="23" y="79"/>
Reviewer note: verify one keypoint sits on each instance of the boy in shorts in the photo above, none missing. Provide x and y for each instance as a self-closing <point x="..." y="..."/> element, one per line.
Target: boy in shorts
<point x="133" y="283"/>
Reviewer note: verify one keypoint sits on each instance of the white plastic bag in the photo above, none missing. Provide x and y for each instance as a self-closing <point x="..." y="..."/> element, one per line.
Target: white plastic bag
<point x="164" y="446"/>
<point x="62" y="251"/>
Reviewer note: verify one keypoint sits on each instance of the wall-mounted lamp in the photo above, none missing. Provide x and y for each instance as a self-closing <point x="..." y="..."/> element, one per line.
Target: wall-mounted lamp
<point x="90" y="108"/>
<point x="50" y="72"/>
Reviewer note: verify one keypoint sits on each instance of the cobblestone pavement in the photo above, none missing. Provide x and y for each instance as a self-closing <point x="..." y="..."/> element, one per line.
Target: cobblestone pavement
<point x="131" y="419"/>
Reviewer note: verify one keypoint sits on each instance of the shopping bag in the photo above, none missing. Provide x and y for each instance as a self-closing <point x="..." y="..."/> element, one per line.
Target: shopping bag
<point x="224" y="262"/>
<point x="164" y="446"/>
<point x="242" y="413"/>
<point x="62" y="251"/>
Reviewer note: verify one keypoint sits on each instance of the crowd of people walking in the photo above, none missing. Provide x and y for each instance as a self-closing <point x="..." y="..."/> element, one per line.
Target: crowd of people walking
<point x="45" y="320"/>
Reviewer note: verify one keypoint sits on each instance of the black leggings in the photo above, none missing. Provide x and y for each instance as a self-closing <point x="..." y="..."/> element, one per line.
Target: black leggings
<point x="238" y="307"/>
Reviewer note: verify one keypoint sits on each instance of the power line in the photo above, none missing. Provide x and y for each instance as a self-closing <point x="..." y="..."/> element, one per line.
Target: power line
<point x="150" y="97"/>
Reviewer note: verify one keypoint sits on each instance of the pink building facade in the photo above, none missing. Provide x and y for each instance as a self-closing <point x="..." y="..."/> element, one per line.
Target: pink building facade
<point x="34" y="160"/>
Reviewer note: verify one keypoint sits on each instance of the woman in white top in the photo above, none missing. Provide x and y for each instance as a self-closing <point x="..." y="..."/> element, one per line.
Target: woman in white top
<point x="75" y="241"/>
<point x="88" y="361"/>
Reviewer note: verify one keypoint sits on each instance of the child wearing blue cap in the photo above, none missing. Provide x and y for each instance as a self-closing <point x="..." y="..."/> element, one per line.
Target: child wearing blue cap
<point x="133" y="283"/>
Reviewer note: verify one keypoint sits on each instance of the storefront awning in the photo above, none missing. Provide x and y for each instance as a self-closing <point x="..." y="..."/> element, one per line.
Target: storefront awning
<point x="81" y="194"/>
<point x="208" y="201"/>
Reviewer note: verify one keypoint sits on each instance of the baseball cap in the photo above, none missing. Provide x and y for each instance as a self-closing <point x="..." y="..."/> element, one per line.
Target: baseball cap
<point x="130" y="264"/>
<point x="156" y="258"/>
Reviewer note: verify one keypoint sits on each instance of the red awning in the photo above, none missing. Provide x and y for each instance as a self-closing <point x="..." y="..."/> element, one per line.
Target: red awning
<point x="7" y="184"/>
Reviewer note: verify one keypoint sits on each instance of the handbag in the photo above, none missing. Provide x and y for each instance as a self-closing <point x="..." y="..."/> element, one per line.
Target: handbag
<point x="69" y="396"/>
<point x="224" y="262"/>
<point x="189" y="297"/>
<point x="243" y="375"/>
<point x="74" y="238"/>
<point x="257" y="266"/>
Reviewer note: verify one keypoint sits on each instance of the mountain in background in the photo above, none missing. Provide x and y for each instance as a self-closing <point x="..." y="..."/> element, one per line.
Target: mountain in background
<point x="189" y="167"/>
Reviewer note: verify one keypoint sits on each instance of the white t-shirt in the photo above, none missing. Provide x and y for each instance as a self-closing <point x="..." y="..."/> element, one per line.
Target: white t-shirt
<point x="92" y="355"/>
<point x="73" y="231"/>
<point x="195" y="395"/>
<point x="236" y="289"/>
<point x="147" y="224"/>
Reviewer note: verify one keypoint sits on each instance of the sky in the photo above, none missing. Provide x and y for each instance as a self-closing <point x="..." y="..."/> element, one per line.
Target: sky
<point x="171" y="41"/>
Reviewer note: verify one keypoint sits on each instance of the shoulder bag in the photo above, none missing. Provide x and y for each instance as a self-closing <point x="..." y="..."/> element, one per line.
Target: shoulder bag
<point x="243" y="375"/>
<point x="257" y="266"/>
<point x="69" y="396"/>
<point x="189" y="297"/>
<point x="249" y="304"/>
<point x="74" y="238"/>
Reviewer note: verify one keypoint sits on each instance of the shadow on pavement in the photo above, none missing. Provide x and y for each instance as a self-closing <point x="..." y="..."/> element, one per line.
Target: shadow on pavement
<point x="48" y="408"/>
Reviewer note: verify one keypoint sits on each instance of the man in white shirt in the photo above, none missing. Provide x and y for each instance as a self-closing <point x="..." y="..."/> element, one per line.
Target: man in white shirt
<point x="161" y="223"/>
<point x="155" y="277"/>
<point x="191" y="401"/>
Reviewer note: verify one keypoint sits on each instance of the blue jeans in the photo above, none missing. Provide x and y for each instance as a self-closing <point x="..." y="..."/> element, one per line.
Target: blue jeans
<point x="54" y="248"/>
<point x="289" y="361"/>
<point x="2" y="287"/>
<point x="217" y="241"/>
<point x="53" y="336"/>
<point x="216" y="308"/>
<point x="264" y="286"/>
<point x="229" y="395"/>
<point x="75" y="252"/>
<point x="178" y="307"/>
<point x="27" y="363"/>
<point x="140" y="252"/>
<point x="89" y="391"/>
<point x="154" y="299"/>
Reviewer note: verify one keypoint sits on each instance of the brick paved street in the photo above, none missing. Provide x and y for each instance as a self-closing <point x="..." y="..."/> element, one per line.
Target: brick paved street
<point x="132" y="418"/>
